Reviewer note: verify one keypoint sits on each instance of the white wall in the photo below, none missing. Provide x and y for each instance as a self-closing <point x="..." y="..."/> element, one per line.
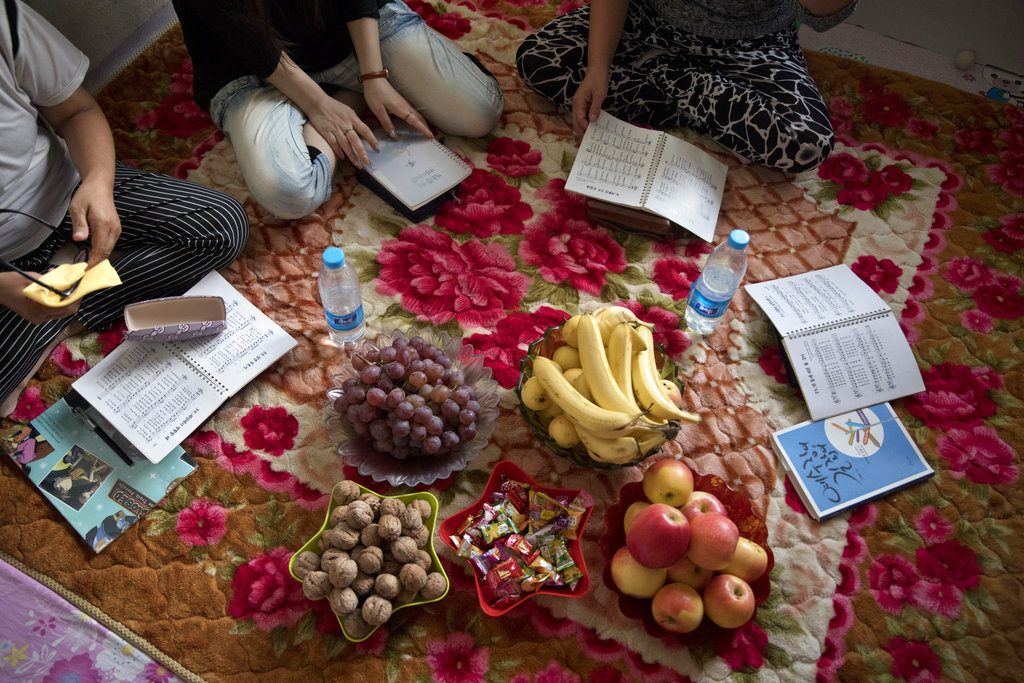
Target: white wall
<point x="992" y="29"/>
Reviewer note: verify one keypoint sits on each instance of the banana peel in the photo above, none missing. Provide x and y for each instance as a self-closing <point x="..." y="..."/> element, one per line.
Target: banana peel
<point x="100" y="276"/>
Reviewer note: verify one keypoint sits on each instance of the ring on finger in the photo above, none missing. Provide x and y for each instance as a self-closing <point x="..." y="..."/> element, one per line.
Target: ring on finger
<point x="350" y="130"/>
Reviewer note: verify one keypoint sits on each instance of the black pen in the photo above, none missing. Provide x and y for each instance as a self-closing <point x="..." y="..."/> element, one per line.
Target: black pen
<point x="78" y="406"/>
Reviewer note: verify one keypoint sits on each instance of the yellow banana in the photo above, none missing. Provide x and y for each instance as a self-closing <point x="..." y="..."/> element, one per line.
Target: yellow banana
<point x="610" y="316"/>
<point x="599" y="374"/>
<point x="584" y="413"/>
<point x="648" y="387"/>
<point x="642" y="429"/>
<point x="569" y="331"/>
<point x="579" y="382"/>
<point x="620" y="357"/>
<point x="650" y="444"/>
<point x="617" y="451"/>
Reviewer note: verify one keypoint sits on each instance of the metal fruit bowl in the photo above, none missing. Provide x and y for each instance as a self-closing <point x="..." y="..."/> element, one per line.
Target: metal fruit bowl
<point x="546" y="346"/>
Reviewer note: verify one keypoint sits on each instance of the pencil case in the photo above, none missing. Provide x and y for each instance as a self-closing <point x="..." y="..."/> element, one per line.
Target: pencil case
<point x="175" y="318"/>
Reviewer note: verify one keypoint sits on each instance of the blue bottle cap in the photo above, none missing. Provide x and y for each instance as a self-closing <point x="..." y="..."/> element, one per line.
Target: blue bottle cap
<point x="739" y="239"/>
<point x="334" y="257"/>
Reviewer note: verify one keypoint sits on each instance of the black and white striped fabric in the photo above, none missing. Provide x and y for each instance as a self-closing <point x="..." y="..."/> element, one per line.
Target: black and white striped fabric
<point x="172" y="234"/>
<point x="753" y="95"/>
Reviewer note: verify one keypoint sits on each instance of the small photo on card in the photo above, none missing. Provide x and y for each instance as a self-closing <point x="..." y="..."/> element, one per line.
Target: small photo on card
<point x="76" y="476"/>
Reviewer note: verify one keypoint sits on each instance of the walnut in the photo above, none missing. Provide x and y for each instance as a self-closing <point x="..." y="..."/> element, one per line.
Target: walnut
<point x="355" y="626"/>
<point x="435" y="586"/>
<point x="359" y="516"/>
<point x="338" y="514"/>
<point x="411" y="521"/>
<point x="316" y="585"/>
<point x="362" y="584"/>
<point x="391" y="566"/>
<point x="339" y="538"/>
<point x="343" y="600"/>
<point x="391" y="506"/>
<point x="422" y="537"/>
<point x="389" y="527"/>
<point x="412" y="577"/>
<point x="406" y="596"/>
<point x="370" y="536"/>
<point x="345" y="492"/>
<point x="423" y="507"/>
<point x="330" y="555"/>
<point x="373" y="500"/>
<point x="387" y="586"/>
<point x="423" y="560"/>
<point x="342" y="572"/>
<point x="376" y="610"/>
<point x="306" y="562"/>
<point x="370" y="560"/>
<point x="404" y="549"/>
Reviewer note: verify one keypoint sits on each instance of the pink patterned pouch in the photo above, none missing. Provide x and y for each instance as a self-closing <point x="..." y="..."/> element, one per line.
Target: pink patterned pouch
<point x="175" y="318"/>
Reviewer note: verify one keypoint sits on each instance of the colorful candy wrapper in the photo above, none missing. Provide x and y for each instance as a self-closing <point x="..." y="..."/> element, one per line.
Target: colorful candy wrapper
<point x="543" y="509"/>
<point x="518" y="493"/>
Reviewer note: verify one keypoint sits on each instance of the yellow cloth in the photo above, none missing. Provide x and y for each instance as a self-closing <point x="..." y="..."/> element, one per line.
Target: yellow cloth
<point x="100" y="276"/>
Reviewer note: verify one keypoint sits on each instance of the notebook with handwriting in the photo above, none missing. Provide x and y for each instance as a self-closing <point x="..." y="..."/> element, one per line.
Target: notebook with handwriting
<point x="650" y="170"/>
<point x="844" y="344"/>
<point x="157" y="393"/>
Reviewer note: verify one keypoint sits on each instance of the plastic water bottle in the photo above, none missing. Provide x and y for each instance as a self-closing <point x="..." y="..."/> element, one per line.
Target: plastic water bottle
<point x="713" y="290"/>
<point x="340" y="295"/>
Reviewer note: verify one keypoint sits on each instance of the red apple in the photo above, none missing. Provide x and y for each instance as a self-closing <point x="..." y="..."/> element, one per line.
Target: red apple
<point x="668" y="481"/>
<point x="702" y="502"/>
<point x="659" y="536"/>
<point x="748" y="562"/>
<point x="713" y="540"/>
<point x="632" y="578"/>
<point x="631" y="512"/>
<point x="678" y="608"/>
<point x="687" y="572"/>
<point x="728" y="601"/>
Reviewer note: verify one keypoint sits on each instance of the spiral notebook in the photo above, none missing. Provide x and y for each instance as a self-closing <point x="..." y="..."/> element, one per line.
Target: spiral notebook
<point x="154" y="394"/>
<point x="843" y="342"/>
<point x="649" y="170"/>
<point x="413" y="174"/>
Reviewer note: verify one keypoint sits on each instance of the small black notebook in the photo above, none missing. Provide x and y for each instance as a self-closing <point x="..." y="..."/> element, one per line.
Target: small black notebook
<point x="413" y="174"/>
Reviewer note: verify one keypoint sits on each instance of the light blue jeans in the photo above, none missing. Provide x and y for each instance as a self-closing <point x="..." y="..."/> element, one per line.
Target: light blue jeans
<point x="445" y="86"/>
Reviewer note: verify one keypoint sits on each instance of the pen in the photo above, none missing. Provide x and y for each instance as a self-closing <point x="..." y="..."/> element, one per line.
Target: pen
<point x="78" y="406"/>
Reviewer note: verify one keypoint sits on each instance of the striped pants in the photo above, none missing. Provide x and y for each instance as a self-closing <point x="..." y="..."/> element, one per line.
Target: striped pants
<point x="172" y="234"/>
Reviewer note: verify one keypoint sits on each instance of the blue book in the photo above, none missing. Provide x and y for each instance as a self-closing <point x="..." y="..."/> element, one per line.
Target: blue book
<point x="86" y="480"/>
<point x="844" y="461"/>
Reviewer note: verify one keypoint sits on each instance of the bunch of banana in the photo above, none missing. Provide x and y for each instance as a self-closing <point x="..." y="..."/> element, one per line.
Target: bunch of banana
<point x="603" y="389"/>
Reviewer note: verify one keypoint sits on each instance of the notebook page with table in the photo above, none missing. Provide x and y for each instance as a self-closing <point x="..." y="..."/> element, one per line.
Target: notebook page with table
<point x="157" y="393"/>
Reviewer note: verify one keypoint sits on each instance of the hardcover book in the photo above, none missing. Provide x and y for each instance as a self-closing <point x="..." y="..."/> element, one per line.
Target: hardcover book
<point x="650" y="171"/>
<point x="850" y="459"/>
<point x="843" y="342"/>
<point x="413" y="174"/>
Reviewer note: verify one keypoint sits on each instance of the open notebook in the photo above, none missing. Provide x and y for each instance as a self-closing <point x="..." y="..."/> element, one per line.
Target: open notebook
<point x="154" y="394"/>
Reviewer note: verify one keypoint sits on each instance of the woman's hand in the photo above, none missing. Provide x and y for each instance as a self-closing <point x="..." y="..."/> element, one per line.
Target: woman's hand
<point x="341" y="127"/>
<point x="586" y="103"/>
<point x="94" y="216"/>
<point x="384" y="101"/>
<point x="11" y="286"/>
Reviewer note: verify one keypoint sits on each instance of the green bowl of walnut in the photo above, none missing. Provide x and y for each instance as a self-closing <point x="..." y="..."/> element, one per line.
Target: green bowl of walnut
<point x="373" y="556"/>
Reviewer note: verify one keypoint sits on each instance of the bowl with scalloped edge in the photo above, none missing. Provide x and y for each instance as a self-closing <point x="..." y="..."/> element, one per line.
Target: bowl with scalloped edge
<point x="546" y="346"/>
<point x="313" y="544"/>
<point x="739" y="510"/>
<point x="358" y="450"/>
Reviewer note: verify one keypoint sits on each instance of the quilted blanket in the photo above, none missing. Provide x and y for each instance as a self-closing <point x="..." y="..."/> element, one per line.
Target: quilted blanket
<point x="923" y="198"/>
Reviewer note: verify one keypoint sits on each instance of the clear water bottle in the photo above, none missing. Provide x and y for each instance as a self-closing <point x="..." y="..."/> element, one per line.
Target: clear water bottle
<point x="713" y="290"/>
<point x="340" y="295"/>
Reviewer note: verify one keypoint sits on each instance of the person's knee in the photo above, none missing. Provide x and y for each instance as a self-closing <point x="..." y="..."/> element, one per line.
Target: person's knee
<point x="289" y="195"/>
<point x="230" y="224"/>
<point x="475" y="116"/>
<point x="526" y="56"/>
<point x="810" y="146"/>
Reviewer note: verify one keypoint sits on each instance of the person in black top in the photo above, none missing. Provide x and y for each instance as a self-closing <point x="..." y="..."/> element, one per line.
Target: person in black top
<point x="284" y="80"/>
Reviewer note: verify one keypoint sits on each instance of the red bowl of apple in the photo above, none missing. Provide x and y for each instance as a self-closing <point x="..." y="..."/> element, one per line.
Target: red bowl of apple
<point x="750" y="526"/>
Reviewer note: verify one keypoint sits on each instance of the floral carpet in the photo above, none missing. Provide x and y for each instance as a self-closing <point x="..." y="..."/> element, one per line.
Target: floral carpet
<point x="923" y="198"/>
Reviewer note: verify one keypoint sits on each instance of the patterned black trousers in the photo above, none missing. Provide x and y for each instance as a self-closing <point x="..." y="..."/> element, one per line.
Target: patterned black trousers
<point x="754" y="96"/>
<point x="172" y="234"/>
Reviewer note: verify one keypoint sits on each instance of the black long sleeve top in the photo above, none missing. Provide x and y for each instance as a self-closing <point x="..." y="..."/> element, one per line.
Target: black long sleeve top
<point x="225" y="45"/>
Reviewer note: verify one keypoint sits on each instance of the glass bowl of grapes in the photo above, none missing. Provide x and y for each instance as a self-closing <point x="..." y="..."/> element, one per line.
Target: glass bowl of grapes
<point x="410" y="410"/>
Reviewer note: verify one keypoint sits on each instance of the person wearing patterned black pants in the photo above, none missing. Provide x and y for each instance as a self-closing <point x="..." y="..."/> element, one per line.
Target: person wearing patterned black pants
<point x="162" y="235"/>
<point x="728" y="69"/>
